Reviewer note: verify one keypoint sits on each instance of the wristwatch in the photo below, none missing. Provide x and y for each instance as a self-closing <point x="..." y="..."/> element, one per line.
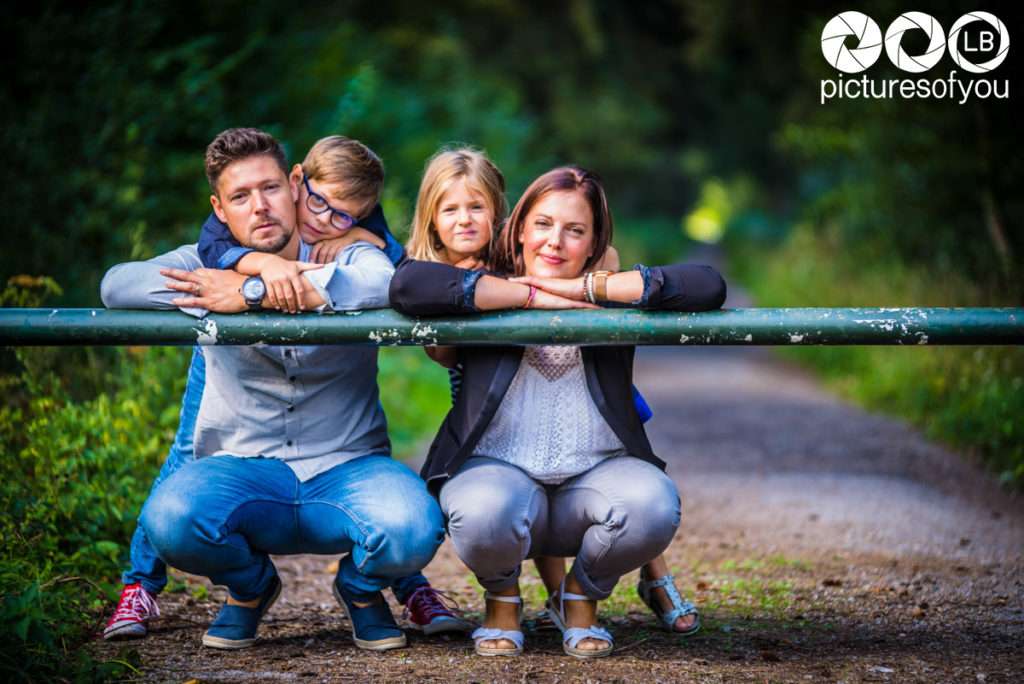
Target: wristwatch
<point x="253" y="291"/>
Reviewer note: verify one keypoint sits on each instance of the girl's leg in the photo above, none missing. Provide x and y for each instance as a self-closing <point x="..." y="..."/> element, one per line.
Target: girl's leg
<point x="656" y="569"/>
<point x="551" y="571"/>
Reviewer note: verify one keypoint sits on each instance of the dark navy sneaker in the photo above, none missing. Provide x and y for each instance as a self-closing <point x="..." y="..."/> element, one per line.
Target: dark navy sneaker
<point x="235" y="626"/>
<point x="373" y="626"/>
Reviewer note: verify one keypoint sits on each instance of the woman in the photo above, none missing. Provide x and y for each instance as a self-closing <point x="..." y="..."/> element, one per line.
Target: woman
<point x="543" y="453"/>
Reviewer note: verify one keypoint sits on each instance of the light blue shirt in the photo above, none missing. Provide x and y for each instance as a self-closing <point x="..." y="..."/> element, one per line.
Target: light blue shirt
<point x="313" y="407"/>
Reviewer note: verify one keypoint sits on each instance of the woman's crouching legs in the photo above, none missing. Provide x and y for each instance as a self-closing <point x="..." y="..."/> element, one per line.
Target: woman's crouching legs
<point x="624" y="510"/>
<point x="496" y="512"/>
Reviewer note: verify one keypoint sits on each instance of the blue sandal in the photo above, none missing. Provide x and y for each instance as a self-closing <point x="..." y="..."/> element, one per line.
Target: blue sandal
<point x="680" y="607"/>
<point x="482" y="634"/>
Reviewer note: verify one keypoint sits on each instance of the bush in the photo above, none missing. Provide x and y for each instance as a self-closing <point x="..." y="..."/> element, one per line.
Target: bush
<point x="73" y="474"/>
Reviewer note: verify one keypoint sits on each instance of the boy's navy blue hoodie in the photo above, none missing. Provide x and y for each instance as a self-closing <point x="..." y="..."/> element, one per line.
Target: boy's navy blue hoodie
<point x="219" y="249"/>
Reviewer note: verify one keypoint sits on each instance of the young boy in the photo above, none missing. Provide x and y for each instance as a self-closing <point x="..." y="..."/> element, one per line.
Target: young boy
<point x="341" y="181"/>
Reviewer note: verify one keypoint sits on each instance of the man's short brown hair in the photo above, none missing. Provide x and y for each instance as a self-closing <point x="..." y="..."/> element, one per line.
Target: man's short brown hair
<point x="348" y="162"/>
<point x="234" y="144"/>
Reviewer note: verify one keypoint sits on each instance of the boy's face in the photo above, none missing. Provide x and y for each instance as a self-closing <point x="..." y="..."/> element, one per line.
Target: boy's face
<point x="313" y="226"/>
<point x="257" y="201"/>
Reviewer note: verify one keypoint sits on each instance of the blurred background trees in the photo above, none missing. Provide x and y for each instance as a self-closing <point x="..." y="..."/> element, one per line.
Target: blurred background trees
<point x="703" y="118"/>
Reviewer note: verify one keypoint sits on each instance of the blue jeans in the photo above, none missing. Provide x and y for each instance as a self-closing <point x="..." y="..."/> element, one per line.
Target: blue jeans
<point x="146" y="566"/>
<point x="222" y="517"/>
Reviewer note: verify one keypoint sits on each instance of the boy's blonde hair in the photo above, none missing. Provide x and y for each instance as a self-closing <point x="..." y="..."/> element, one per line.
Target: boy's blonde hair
<point x="443" y="169"/>
<point x="337" y="159"/>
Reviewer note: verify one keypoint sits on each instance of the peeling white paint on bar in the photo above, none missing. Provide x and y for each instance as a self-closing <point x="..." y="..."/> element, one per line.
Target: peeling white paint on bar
<point x="206" y="333"/>
<point x="385" y="336"/>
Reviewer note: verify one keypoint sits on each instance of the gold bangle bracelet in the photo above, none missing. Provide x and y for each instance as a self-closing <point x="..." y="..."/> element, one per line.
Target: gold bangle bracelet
<point x="601" y="285"/>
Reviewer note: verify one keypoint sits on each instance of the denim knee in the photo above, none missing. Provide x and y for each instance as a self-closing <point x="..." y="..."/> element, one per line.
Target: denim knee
<point x="168" y="519"/>
<point x="406" y="541"/>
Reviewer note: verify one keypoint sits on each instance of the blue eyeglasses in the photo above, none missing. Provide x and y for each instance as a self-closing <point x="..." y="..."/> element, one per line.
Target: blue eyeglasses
<point x="318" y="204"/>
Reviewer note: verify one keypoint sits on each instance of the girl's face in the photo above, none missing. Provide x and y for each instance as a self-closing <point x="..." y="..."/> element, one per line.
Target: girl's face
<point x="558" y="235"/>
<point x="315" y="227"/>
<point x="463" y="221"/>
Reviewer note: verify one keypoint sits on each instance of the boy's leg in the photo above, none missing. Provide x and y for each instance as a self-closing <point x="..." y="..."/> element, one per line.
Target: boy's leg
<point x="404" y="587"/>
<point x="146" y="567"/>
<point x="147" y="574"/>
<point x="426" y="608"/>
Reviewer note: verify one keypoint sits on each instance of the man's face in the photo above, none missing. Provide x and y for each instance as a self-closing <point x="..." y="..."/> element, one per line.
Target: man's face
<point x="257" y="201"/>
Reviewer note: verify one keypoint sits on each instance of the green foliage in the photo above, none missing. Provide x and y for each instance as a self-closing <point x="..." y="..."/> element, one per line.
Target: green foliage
<point x="968" y="397"/>
<point x="416" y="396"/>
<point x="649" y="241"/>
<point x="73" y="474"/>
<point x="697" y="114"/>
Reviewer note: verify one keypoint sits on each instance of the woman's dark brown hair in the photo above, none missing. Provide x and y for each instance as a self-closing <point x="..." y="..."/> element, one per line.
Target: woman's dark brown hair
<point x="508" y="254"/>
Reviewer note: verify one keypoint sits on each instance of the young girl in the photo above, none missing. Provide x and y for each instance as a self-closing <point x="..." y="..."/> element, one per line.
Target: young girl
<point x="461" y="200"/>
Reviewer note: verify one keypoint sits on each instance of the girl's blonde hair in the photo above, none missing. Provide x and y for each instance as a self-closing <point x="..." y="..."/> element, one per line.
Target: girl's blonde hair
<point x="443" y="169"/>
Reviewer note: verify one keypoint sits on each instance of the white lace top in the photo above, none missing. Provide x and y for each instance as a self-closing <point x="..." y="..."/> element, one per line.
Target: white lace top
<point x="548" y="424"/>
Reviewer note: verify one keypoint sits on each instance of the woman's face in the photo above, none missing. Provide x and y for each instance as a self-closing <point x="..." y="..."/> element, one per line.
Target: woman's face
<point x="558" y="235"/>
<point x="463" y="221"/>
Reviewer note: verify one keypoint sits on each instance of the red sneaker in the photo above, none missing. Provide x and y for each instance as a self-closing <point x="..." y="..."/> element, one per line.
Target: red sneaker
<point x="133" y="610"/>
<point x="434" y="612"/>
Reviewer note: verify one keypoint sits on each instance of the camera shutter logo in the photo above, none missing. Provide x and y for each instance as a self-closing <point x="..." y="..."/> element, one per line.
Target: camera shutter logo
<point x="909" y="21"/>
<point x="1001" y="52"/>
<point x="833" y="42"/>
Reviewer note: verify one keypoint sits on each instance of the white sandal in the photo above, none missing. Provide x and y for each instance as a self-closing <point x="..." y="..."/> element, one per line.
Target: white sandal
<point x="482" y="634"/>
<point x="572" y="636"/>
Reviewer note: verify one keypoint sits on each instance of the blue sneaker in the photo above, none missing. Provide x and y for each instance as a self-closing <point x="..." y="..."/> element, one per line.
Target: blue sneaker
<point x="235" y="626"/>
<point x="373" y="626"/>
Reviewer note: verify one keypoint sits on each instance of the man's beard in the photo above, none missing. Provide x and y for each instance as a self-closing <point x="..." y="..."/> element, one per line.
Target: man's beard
<point x="276" y="246"/>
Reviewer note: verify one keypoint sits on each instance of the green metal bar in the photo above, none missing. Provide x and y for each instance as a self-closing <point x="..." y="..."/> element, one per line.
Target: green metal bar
<point x="810" y="326"/>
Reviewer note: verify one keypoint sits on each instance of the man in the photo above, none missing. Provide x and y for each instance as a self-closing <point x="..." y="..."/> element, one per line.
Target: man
<point x="291" y="442"/>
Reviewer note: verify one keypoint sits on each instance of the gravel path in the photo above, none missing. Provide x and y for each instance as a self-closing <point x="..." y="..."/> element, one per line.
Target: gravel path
<point x="821" y="542"/>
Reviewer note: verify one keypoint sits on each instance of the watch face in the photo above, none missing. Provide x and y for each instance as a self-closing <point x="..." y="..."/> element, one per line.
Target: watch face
<point x="253" y="289"/>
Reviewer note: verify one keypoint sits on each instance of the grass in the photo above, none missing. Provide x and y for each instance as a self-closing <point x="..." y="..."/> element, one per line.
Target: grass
<point x="746" y="588"/>
<point x="969" y="397"/>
